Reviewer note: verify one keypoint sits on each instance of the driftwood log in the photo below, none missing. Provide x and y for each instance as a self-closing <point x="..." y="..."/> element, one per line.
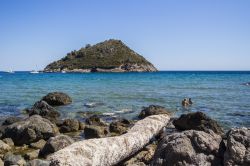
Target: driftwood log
<point x="110" y="150"/>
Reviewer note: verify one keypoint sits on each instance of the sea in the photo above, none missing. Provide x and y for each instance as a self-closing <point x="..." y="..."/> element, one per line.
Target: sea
<point x="223" y="95"/>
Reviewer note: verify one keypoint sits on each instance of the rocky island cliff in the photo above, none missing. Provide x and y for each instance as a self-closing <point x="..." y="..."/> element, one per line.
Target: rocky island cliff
<point x="108" y="56"/>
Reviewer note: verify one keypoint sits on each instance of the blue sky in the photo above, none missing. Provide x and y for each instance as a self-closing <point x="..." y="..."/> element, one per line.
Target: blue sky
<point x="172" y="34"/>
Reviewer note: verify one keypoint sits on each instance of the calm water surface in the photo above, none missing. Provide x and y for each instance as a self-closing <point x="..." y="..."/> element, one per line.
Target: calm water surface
<point x="219" y="94"/>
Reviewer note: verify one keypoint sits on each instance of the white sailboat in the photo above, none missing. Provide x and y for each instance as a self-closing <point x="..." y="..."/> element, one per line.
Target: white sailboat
<point x="34" y="72"/>
<point x="10" y="71"/>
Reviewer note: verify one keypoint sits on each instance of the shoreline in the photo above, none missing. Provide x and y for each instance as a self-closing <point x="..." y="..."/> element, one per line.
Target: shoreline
<point x="32" y="143"/>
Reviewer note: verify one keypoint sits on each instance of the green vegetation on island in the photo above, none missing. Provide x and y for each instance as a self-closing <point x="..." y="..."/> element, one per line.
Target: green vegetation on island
<point x="108" y="56"/>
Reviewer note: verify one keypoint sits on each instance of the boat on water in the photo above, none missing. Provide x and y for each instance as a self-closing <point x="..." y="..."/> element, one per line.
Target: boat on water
<point x="9" y="71"/>
<point x="63" y="71"/>
<point x="34" y="72"/>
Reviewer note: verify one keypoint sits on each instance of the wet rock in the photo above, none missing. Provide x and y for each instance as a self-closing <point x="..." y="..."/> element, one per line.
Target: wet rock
<point x="153" y="110"/>
<point x="38" y="162"/>
<point x="95" y="120"/>
<point x="11" y="120"/>
<point x="4" y="147"/>
<point x="32" y="155"/>
<point x="95" y="132"/>
<point x="197" y="121"/>
<point x="57" y="99"/>
<point x="93" y="104"/>
<point x="86" y="114"/>
<point x="56" y="143"/>
<point x="69" y="125"/>
<point x="238" y="147"/>
<point x="30" y="130"/>
<point x="11" y="159"/>
<point x="81" y="126"/>
<point x="8" y="141"/>
<point x="144" y="157"/>
<point x="43" y="109"/>
<point x="189" y="148"/>
<point x="119" y="127"/>
<point x="38" y="145"/>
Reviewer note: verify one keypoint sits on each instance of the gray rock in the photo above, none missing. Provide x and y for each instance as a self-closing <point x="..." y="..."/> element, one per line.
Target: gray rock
<point x="32" y="155"/>
<point x="30" y="130"/>
<point x="144" y="157"/>
<point x="57" y="99"/>
<point x="11" y="159"/>
<point x="11" y="120"/>
<point x="95" y="132"/>
<point x="8" y="141"/>
<point x="38" y="162"/>
<point x="153" y="110"/>
<point x="238" y="147"/>
<point x="189" y="148"/>
<point x="197" y="121"/>
<point x="4" y="147"/>
<point x="69" y="125"/>
<point x="43" y="109"/>
<point x="56" y="143"/>
<point x="38" y="145"/>
<point x="95" y="120"/>
<point x="119" y="127"/>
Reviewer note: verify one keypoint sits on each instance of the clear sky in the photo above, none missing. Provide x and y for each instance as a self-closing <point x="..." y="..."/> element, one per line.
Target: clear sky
<point x="172" y="34"/>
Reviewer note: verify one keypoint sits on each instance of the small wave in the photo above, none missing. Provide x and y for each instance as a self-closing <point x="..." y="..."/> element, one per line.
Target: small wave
<point x="93" y="104"/>
<point x="124" y="111"/>
<point x="108" y="114"/>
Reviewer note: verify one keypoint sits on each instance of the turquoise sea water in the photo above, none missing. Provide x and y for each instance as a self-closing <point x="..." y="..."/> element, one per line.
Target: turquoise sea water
<point x="219" y="94"/>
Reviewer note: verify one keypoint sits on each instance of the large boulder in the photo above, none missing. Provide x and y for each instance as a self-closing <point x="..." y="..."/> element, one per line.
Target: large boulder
<point x="56" y="143"/>
<point x="197" y="121"/>
<point x="30" y="130"/>
<point x="11" y="159"/>
<point x="189" y="148"/>
<point x="43" y="109"/>
<point x="4" y="147"/>
<point x="238" y="147"/>
<point x="69" y="125"/>
<point x="153" y="110"/>
<point x="57" y="99"/>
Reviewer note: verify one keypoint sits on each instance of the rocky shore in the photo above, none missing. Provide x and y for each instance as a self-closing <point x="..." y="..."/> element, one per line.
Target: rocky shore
<point x="154" y="138"/>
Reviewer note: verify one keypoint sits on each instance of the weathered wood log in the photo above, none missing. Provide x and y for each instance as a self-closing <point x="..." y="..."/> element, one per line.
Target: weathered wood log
<point x="110" y="150"/>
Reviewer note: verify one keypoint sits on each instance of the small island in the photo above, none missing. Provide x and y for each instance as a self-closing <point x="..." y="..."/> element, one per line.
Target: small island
<point x="108" y="56"/>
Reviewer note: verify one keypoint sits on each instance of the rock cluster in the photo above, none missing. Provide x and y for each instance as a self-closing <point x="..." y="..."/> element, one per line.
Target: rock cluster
<point x="191" y="139"/>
